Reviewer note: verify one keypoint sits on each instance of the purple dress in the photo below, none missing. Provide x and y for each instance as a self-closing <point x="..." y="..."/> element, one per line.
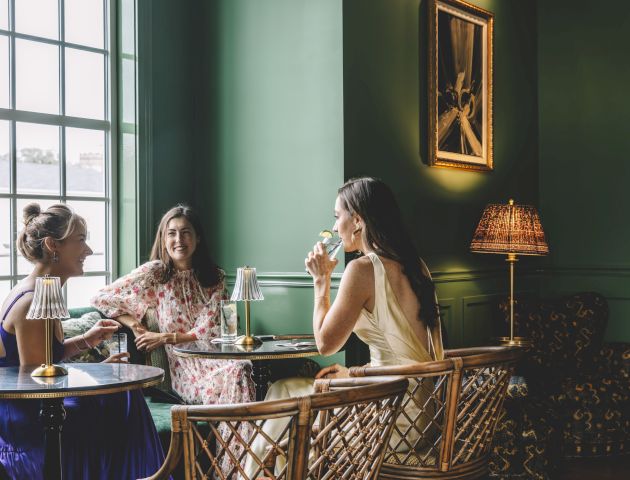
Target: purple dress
<point x="103" y="436"/>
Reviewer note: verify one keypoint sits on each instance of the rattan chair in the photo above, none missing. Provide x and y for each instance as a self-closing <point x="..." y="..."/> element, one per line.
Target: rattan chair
<point x="341" y="433"/>
<point x="449" y="414"/>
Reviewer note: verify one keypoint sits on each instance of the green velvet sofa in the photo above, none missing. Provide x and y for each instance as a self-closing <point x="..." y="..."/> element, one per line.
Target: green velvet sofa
<point x="160" y="398"/>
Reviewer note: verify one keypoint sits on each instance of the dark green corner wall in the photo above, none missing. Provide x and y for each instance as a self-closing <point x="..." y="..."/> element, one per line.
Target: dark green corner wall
<point x="272" y="153"/>
<point x="384" y="98"/>
<point x="584" y="150"/>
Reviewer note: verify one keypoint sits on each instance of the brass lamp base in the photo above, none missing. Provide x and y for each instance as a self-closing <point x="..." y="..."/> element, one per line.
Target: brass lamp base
<point x="248" y="341"/>
<point x="49" y="371"/>
<point x="515" y="341"/>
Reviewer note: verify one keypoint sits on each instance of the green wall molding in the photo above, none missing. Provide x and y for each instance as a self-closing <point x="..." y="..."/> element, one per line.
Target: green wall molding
<point x="589" y="270"/>
<point x="286" y="279"/>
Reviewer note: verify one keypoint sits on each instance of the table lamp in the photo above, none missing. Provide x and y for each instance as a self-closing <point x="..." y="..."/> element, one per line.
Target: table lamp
<point x="48" y="305"/>
<point x="512" y="230"/>
<point x="246" y="289"/>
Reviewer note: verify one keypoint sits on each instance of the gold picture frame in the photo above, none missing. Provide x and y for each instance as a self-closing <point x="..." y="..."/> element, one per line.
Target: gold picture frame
<point x="460" y="81"/>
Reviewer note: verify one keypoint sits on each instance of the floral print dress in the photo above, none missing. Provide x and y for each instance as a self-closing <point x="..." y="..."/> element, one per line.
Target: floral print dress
<point x="182" y="305"/>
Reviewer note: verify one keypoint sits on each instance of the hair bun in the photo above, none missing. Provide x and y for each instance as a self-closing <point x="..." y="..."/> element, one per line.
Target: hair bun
<point x="31" y="211"/>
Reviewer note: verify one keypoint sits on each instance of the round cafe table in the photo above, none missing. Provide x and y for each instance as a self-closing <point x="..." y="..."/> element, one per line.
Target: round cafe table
<point x="82" y="379"/>
<point x="274" y="348"/>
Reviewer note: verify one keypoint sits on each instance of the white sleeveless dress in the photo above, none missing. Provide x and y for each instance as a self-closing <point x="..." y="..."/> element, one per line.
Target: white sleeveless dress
<point x="391" y="340"/>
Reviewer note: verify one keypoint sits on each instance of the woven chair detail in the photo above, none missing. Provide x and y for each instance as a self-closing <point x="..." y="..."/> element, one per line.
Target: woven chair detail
<point x="449" y="413"/>
<point x="341" y="431"/>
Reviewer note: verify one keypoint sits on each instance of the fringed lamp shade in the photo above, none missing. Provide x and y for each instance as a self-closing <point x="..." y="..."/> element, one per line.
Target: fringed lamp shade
<point x="510" y="229"/>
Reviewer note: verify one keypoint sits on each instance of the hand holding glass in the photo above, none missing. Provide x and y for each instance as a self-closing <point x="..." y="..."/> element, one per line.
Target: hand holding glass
<point x="332" y="243"/>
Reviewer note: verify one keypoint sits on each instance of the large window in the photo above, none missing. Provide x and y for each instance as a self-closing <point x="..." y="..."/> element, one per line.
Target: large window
<point x="55" y="127"/>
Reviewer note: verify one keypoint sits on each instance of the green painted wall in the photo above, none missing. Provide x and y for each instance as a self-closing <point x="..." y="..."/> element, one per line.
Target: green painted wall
<point x="584" y="145"/>
<point x="270" y="155"/>
<point x="385" y="98"/>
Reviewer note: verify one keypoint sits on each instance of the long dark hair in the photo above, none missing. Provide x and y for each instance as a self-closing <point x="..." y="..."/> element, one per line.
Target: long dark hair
<point x="207" y="272"/>
<point x="385" y="231"/>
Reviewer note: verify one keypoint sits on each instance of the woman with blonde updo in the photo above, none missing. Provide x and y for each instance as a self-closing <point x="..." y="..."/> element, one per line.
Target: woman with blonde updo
<point x="104" y="437"/>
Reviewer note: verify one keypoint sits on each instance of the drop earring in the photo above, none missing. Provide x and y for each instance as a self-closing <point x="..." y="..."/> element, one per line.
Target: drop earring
<point x="55" y="257"/>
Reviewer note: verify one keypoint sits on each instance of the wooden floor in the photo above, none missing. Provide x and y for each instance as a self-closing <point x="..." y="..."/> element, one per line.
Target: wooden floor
<point x="617" y="468"/>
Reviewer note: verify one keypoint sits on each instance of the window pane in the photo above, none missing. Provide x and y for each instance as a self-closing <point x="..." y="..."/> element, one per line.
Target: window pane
<point x="5" y="288"/>
<point x="127" y="27"/>
<point x="36" y="76"/>
<point x="128" y="87"/>
<point x="24" y="267"/>
<point x="94" y="214"/>
<point x="5" y="238"/>
<point x="37" y="17"/>
<point x="85" y="162"/>
<point x="4" y="156"/>
<point x="4" y="14"/>
<point x="37" y="149"/>
<point x="85" y="85"/>
<point x="84" y="22"/>
<point x="81" y="289"/>
<point x="4" y="72"/>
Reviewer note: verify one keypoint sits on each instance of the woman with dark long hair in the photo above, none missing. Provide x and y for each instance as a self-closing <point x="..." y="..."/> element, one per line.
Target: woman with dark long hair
<point x="386" y="296"/>
<point x="185" y="288"/>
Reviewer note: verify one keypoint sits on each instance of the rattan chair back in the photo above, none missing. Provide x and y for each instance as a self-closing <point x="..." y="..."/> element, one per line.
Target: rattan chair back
<point x="449" y="414"/>
<point x="341" y="433"/>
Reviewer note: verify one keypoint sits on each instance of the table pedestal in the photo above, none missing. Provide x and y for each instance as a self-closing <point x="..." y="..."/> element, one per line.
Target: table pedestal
<point x="52" y="415"/>
<point x="261" y="374"/>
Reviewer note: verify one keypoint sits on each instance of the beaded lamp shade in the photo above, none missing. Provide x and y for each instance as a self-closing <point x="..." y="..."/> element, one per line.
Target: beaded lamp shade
<point x="510" y="228"/>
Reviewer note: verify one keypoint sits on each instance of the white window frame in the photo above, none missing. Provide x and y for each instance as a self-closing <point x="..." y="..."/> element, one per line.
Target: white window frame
<point x="108" y="125"/>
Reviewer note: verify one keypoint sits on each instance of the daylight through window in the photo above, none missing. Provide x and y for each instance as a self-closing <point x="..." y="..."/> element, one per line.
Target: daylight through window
<point x="55" y="127"/>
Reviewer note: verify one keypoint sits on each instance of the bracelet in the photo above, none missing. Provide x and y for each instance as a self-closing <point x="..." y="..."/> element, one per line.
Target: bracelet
<point x="85" y="342"/>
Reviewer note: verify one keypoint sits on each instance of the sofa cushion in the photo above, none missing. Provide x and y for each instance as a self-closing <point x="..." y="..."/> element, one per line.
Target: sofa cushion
<point x="158" y="357"/>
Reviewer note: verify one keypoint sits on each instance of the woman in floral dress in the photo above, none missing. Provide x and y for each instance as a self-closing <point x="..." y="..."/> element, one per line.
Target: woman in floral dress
<point x="185" y="288"/>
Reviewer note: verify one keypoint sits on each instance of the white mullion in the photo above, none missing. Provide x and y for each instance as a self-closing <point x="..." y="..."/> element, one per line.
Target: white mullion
<point x="52" y="41"/>
<point x="48" y="196"/>
<point x="53" y="119"/>
<point x="62" y="99"/>
<point x="110" y="110"/>
<point x="12" y="149"/>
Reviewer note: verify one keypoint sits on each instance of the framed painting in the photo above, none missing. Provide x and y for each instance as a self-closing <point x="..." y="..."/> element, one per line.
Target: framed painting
<point x="460" y="85"/>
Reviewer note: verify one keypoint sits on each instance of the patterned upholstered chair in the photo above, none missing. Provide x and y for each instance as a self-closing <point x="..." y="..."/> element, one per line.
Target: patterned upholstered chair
<point x="573" y="398"/>
<point x="449" y="414"/>
<point x="340" y="433"/>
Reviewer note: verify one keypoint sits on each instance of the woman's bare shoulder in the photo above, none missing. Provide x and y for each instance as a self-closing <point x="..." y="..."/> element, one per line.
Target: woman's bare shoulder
<point x="360" y="269"/>
<point x="19" y="309"/>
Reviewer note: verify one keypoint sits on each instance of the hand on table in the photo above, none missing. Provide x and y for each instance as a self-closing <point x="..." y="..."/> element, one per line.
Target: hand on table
<point x="333" y="371"/>
<point x="122" y="357"/>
